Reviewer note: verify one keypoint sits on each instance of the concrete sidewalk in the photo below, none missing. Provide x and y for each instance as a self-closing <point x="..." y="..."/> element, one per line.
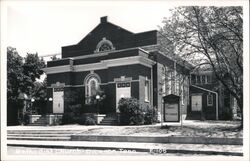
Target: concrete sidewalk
<point x="152" y="148"/>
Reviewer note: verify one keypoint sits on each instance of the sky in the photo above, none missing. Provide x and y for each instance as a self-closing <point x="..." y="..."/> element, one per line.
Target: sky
<point x="46" y="27"/>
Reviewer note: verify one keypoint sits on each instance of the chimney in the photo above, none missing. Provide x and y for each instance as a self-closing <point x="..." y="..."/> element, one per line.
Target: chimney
<point x="104" y="19"/>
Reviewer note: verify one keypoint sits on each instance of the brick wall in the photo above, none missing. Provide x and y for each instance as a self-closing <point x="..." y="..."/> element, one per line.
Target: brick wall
<point x="120" y="38"/>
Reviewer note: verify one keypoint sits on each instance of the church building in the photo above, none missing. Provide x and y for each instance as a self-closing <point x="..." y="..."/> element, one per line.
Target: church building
<point x="121" y="64"/>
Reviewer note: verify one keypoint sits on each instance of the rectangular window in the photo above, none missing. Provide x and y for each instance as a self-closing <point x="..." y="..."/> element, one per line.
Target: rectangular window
<point x="147" y="91"/>
<point x="168" y="84"/>
<point x="193" y="79"/>
<point x="168" y="81"/>
<point x="163" y="85"/>
<point x="210" y="100"/>
<point x="198" y="79"/>
<point x="187" y="91"/>
<point x="58" y="89"/>
<point x="172" y="77"/>
<point x="178" y="77"/>
<point x="209" y="79"/>
<point x="203" y="79"/>
<point x="182" y="93"/>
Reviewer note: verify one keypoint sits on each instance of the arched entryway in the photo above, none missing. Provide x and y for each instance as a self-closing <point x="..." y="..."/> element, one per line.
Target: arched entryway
<point x="92" y="85"/>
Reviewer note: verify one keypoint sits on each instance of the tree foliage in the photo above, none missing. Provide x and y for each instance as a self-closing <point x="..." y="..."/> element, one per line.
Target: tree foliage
<point x="211" y="38"/>
<point x="14" y="74"/>
<point x="32" y="70"/>
<point x="23" y="76"/>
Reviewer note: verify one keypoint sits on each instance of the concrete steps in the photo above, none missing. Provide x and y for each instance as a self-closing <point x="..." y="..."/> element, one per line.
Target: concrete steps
<point x="48" y="135"/>
<point x="54" y="138"/>
<point x="40" y="122"/>
<point x="40" y="131"/>
<point x="37" y="135"/>
<point x="109" y="120"/>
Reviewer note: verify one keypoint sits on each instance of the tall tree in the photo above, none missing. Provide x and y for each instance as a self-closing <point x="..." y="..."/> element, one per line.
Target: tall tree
<point x="14" y="74"/>
<point x="14" y="84"/>
<point x="23" y="77"/>
<point x="210" y="37"/>
<point x="32" y="70"/>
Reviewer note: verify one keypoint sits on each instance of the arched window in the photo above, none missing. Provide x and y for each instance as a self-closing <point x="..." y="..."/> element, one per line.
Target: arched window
<point x="104" y="45"/>
<point x="92" y="82"/>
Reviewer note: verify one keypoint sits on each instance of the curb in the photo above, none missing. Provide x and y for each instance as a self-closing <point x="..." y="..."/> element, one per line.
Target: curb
<point x="151" y="151"/>
<point x="158" y="139"/>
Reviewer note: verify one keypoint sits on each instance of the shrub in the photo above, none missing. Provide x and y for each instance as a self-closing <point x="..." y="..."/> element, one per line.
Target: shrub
<point x="130" y="112"/>
<point x="26" y="118"/>
<point x="83" y="117"/>
<point x="76" y="109"/>
<point x="89" y="108"/>
<point x="80" y="120"/>
<point x="90" y="121"/>
<point x="123" y="119"/>
<point x="150" y="116"/>
<point x="68" y="118"/>
<point x="72" y="114"/>
<point x="227" y="114"/>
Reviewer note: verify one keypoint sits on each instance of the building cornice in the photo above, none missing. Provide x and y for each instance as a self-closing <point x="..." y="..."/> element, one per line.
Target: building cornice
<point x="104" y="53"/>
<point x="104" y="64"/>
<point x="58" y="69"/>
<point x="83" y="85"/>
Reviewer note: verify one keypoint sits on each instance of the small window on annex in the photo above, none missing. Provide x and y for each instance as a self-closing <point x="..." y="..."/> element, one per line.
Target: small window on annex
<point x="203" y="79"/>
<point x="193" y="79"/>
<point x="209" y="100"/>
<point x="163" y="81"/>
<point x="209" y="79"/>
<point x="198" y="78"/>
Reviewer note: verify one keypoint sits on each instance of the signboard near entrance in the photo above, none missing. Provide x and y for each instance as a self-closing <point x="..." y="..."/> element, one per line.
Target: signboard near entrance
<point x="171" y="113"/>
<point x="171" y="110"/>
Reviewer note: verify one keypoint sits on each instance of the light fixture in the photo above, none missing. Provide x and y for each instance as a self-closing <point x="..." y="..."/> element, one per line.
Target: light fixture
<point x="97" y="97"/>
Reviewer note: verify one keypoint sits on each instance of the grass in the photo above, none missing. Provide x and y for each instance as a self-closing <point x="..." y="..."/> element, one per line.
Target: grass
<point x="222" y="129"/>
<point x="227" y="129"/>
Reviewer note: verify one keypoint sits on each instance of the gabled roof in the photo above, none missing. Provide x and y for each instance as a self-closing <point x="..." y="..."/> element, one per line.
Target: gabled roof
<point x="104" y="20"/>
<point x="120" y="38"/>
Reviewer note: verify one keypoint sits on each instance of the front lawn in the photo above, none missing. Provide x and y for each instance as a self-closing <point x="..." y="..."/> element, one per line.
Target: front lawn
<point x="190" y="128"/>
